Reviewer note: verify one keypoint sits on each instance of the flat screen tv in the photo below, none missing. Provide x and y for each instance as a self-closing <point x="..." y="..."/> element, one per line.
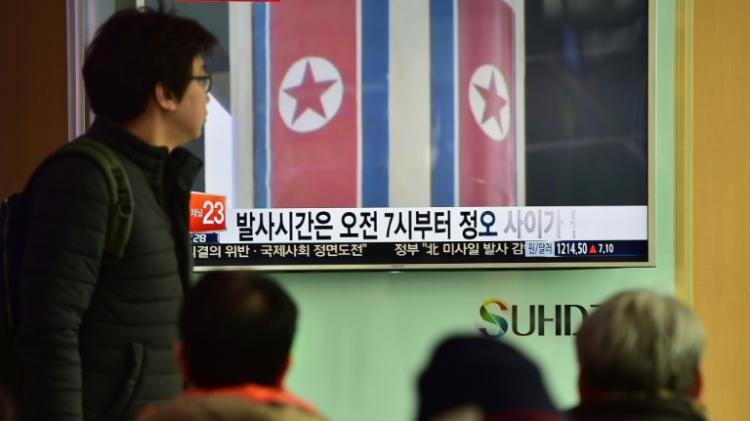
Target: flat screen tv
<point x="414" y="134"/>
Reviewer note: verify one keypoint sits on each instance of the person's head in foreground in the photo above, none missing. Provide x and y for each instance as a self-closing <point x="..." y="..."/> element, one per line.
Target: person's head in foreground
<point x="473" y="378"/>
<point x="236" y="328"/>
<point x="236" y="331"/>
<point x="639" y="355"/>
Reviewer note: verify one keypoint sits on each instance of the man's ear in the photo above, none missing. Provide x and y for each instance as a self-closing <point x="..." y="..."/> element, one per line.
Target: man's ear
<point x="165" y="98"/>
<point x="697" y="388"/>
<point x="179" y="354"/>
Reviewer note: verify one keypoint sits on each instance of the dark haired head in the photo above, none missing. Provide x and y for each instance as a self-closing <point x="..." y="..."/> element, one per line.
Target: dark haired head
<point x="132" y="51"/>
<point x="237" y="327"/>
<point x="484" y="373"/>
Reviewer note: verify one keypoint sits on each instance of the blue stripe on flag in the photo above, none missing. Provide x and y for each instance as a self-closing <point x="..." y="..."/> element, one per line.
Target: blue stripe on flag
<point x="443" y="122"/>
<point x="261" y="35"/>
<point x="375" y="123"/>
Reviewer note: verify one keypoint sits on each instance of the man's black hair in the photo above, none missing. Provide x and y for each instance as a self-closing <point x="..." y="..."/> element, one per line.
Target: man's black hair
<point x="237" y="327"/>
<point x="474" y="370"/>
<point x="132" y="51"/>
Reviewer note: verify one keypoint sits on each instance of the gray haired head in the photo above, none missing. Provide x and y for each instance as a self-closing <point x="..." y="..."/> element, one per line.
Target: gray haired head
<point x="642" y="341"/>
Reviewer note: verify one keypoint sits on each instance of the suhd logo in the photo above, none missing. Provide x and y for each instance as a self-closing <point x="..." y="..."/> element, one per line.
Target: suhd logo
<point x="499" y="323"/>
<point x="500" y="318"/>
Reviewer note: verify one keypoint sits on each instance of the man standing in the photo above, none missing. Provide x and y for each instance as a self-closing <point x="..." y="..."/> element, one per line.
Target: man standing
<point x="96" y="331"/>
<point x="639" y="355"/>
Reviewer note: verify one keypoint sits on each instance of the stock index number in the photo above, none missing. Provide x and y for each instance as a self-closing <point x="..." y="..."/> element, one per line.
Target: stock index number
<point x="582" y="248"/>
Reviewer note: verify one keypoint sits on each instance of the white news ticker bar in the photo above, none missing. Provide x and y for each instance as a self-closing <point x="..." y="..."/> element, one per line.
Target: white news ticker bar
<point x="433" y="224"/>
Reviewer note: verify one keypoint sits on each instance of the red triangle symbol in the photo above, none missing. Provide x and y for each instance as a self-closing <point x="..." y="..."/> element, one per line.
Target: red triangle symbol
<point x="592" y="249"/>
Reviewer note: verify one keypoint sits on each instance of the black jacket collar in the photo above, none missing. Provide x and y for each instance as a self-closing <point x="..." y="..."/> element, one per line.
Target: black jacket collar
<point x="641" y="408"/>
<point x="154" y="160"/>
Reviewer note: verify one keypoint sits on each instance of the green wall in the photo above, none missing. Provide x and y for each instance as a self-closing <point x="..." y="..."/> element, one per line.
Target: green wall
<point x="364" y="336"/>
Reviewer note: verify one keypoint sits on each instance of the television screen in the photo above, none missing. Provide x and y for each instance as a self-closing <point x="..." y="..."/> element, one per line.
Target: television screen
<point x="369" y="134"/>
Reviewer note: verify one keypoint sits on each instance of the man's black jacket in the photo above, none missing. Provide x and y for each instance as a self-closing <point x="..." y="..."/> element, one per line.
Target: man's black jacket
<point x="96" y="334"/>
<point x="639" y="408"/>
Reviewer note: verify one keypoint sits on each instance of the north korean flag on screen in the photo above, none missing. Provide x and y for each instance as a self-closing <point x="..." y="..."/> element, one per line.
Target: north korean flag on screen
<point x="474" y="102"/>
<point x="385" y="103"/>
<point x="311" y="59"/>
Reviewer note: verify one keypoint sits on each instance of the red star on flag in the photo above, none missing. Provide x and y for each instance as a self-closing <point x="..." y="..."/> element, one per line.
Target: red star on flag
<point x="493" y="102"/>
<point x="308" y="93"/>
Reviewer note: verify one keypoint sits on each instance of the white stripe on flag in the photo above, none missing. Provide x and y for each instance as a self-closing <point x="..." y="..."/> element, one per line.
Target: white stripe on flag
<point x="520" y="31"/>
<point x="409" y="96"/>
<point x="241" y="81"/>
<point x="359" y="102"/>
<point x="219" y="152"/>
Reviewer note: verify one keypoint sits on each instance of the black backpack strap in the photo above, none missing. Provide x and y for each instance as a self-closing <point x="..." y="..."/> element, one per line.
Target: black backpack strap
<point x="121" y="193"/>
<point x="13" y="213"/>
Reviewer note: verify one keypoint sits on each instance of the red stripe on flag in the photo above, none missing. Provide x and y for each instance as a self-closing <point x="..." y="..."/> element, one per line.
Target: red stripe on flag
<point x="314" y="145"/>
<point x="486" y="111"/>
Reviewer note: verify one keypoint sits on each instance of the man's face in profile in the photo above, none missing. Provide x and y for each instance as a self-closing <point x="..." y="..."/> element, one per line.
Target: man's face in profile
<point x="191" y="112"/>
